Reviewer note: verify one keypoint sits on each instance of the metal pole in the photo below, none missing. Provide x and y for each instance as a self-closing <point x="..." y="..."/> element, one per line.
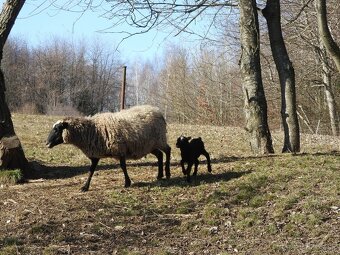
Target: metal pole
<point x="122" y="93"/>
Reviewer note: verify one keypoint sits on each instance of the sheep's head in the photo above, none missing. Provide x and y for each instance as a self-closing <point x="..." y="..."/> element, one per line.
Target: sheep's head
<point x="182" y="141"/>
<point x="56" y="135"/>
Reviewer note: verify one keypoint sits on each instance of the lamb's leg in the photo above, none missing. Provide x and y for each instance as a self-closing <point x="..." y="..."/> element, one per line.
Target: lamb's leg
<point x="94" y="162"/>
<point x="196" y="167"/>
<point x="159" y="156"/>
<point x="206" y="154"/>
<point x="183" y="168"/>
<point x="167" y="161"/>
<point x="123" y="166"/>
<point x="189" y="170"/>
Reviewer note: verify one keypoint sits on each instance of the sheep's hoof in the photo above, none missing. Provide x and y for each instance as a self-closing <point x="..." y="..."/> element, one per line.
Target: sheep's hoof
<point x="127" y="184"/>
<point x="194" y="174"/>
<point x="209" y="169"/>
<point x="159" y="177"/>
<point x="84" y="189"/>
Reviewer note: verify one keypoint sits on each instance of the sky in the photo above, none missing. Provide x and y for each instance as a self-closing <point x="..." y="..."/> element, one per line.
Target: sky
<point x="37" y="23"/>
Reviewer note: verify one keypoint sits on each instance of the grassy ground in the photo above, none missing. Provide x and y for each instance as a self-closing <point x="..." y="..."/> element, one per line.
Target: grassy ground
<point x="280" y="204"/>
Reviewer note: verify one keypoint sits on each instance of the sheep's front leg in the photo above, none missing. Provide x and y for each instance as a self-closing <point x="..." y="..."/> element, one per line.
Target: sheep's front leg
<point x="123" y="166"/>
<point x="94" y="162"/>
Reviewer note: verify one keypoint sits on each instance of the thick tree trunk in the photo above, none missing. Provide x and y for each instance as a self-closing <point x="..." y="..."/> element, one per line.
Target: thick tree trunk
<point x="287" y="77"/>
<point x="11" y="153"/>
<point x="325" y="35"/>
<point x="255" y="100"/>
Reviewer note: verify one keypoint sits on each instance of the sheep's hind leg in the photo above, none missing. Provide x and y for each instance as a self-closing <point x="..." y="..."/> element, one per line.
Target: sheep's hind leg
<point x="123" y="166"/>
<point x="206" y="154"/>
<point x="94" y="162"/>
<point x="167" y="161"/>
<point x="159" y="156"/>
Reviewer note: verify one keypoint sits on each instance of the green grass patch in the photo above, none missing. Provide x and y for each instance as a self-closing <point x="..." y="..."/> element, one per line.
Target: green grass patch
<point x="10" y="176"/>
<point x="9" y="245"/>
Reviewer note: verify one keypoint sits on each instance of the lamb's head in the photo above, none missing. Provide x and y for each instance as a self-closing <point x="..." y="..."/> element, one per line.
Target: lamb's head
<point x="56" y="134"/>
<point x="182" y="141"/>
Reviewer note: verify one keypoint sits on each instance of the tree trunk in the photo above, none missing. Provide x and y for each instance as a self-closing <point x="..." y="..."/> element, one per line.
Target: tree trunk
<point x="326" y="77"/>
<point x="287" y="77"/>
<point x="11" y="153"/>
<point x="325" y="35"/>
<point x="255" y="100"/>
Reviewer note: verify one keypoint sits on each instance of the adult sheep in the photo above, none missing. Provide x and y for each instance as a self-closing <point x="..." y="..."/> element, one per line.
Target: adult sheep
<point x="128" y="134"/>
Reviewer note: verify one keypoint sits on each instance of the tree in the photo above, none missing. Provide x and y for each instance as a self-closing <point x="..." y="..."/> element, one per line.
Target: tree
<point x="316" y="77"/>
<point x="327" y="44"/>
<point x="254" y="96"/>
<point x="11" y="152"/>
<point x="326" y="80"/>
<point x="325" y="34"/>
<point x="286" y="73"/>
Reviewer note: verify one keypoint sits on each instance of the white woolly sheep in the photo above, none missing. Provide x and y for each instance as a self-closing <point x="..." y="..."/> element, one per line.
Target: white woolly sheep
<point x="128" y="134"/>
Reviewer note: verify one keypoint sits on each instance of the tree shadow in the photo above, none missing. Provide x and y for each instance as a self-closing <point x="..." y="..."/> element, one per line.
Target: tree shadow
<point x="228" y="159"/>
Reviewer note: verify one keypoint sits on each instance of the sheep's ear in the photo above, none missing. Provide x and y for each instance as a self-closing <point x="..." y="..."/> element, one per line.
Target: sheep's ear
<point x="65" y="125"/>
<point x="61" y="124"/>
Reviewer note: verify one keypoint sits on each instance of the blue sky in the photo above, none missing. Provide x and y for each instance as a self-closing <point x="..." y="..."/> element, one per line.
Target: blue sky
<point x="39" y="25"/>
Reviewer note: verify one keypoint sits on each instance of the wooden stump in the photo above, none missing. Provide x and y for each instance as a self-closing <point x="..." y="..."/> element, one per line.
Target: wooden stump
<point x="12" y="155"/>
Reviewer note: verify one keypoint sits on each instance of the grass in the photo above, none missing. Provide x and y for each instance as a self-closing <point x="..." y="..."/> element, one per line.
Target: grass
<point x="10" y="176"/>
<point x="279" y="204"/>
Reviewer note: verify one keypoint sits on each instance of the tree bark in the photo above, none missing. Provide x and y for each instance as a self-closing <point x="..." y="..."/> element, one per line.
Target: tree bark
<point x="255" y="101"/>
<point x="326" y="78"/>
<point x="286" y="73"/>
<point x="325" y="35"/>
<point x="11" y="153"/>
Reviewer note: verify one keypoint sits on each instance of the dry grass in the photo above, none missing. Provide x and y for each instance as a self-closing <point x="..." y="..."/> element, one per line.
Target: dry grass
<point x="280" y="204"/>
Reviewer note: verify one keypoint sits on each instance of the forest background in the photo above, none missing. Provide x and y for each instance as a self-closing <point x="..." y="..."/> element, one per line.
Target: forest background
<point x="200" y="85"/>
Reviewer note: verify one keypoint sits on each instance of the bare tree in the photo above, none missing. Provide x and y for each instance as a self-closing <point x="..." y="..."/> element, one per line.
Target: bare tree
<point x="325" y="34"/>
<point x="286" y="73"/>
<point x="255" y="101"/>
<point x="11" y="152"/>
<point x="326" y="78"/>
<point x="316" y="77"/>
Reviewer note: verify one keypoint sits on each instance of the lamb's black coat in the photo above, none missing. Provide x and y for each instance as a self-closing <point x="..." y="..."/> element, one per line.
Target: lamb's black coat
<point x="191" y="149"/>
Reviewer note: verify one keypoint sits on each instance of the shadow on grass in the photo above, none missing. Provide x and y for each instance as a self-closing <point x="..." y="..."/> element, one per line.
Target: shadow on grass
<point x="40" y="170"/>
<point x="228" y="159"/>
<point x="195" y="180"/>
<point x="63" y="172"/>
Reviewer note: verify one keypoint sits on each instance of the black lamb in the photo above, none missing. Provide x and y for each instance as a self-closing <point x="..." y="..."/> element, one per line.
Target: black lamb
<point x="191" y="149"/>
